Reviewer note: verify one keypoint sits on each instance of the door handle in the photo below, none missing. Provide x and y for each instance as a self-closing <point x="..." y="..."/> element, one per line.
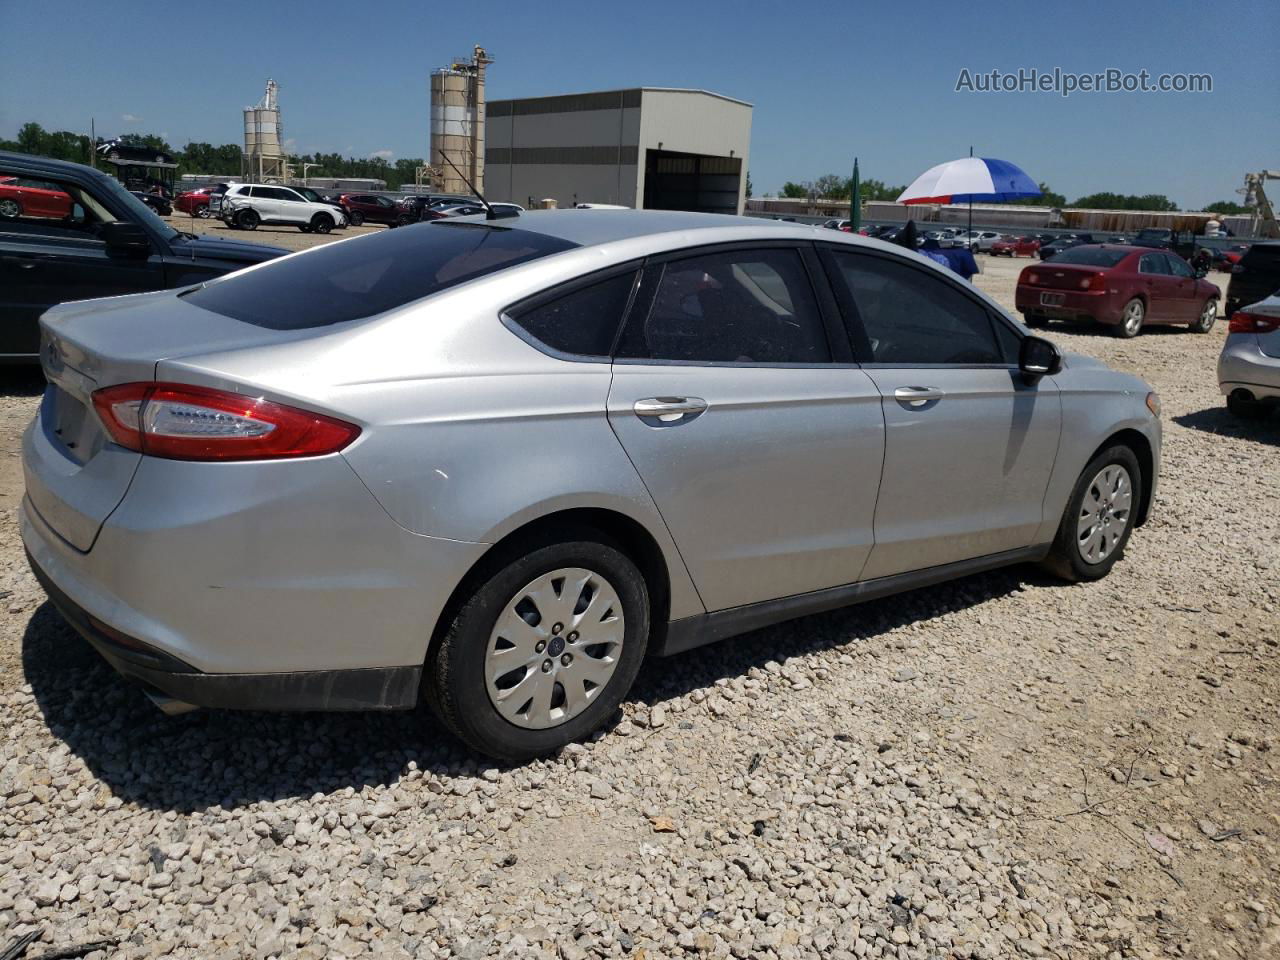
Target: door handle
<point x="669" y="411"/>
<point x="917" y="397"/>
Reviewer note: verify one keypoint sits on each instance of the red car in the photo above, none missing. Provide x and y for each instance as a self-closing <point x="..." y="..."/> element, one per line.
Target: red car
<point x="1122" y="287"/>
<point x="24" y="197"/>
<point x="372" y="208"/>
<point x="195" y="202"/>
<point x="1015" y="247"/>
<point x="1231" y="256"/>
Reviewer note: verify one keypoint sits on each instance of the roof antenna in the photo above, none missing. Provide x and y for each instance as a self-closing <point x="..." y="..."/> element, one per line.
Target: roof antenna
<point x="489" y="214"/>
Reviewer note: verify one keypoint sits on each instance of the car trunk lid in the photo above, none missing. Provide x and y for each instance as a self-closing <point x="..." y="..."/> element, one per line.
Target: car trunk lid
<point x="1062" y="276"/>
<point x="75" y="476"/>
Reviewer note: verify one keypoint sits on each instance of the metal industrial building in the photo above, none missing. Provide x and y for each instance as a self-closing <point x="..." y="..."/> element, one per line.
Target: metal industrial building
<point x="652" y="147"/>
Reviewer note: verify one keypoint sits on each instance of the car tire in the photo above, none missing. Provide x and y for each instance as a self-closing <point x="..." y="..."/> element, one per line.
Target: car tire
<point x="304" y="227"/>
<point x="1131" y="319"/>
<point x="322" y="223"/>
<point x="1099" y="517"/>
<point x="204" y="213"/>
<point x="1245" y="407"/>
<point x="248" y="219"/>
<point x="1034" y="321"/>
<point x="1208" y="316"/>
<point x="465" y="684"/>
<point x="403" y="220"/>
<point x="10" y="209"/>
<point x="355" y="218"/>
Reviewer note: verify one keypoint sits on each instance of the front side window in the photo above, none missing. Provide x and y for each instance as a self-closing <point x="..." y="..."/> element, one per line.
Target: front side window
<point x="744" y="306"/>
<point x="35" y="206"/>
<point x="1179" y="267"/>
<point x="911" y="317"/>
<point x="582" y="322"/>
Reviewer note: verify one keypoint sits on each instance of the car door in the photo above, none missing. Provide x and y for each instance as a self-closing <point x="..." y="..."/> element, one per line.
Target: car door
<point x="292" y="206"/>
<point x="271" y="204"/>
<point x="760" y="441"/>
<point x="969" y="445"/>
<point x="1185" y="301"/>
<point x="1156" y="280"/>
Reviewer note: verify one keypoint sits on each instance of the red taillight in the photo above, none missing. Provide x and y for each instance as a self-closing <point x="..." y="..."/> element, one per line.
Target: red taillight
<point x="1242" y="322"/>
<point x="1096" y="282"/>
<point x="182" y="422"/>
<point x="1033" y="277"/>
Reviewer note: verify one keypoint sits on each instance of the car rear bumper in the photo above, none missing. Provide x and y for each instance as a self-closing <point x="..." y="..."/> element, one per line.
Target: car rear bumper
<point x="176" y="686"/>
<point x="1243" y="366"/>
<point x="1100" y="306"/>
<point x="274" y="585"/>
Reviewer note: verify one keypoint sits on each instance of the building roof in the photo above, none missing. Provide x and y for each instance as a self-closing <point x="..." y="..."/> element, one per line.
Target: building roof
<point x="603" y="98"/>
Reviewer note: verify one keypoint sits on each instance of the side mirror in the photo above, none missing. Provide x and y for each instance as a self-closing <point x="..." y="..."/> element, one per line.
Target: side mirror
<point x="1038" y="358"/>
<point x="1201" y="272"/>
<point x="125" y="239"/>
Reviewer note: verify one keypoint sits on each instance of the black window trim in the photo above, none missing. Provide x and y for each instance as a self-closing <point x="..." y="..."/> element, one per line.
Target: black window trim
<point x="654" y="265"/>
<point x="509" y="315"/>
<point x="853" y="319"/>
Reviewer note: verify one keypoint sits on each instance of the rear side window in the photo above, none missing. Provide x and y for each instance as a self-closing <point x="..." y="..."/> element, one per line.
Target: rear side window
<point x="582" y="322"/>
<point x="745" y="306"/>
<point x="1092" y="256"/>
<point x="361" y="278"/>
<point x="911" y="317"/>
<point x="1153" y="263"/>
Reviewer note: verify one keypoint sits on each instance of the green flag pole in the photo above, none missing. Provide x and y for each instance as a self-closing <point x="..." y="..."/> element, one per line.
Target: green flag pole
<point x="855" y="200"/>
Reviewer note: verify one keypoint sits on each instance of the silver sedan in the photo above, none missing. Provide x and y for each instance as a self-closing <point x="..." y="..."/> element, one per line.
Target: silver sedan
<point x="1249" y="367"/>
<point x="493" y="465"/>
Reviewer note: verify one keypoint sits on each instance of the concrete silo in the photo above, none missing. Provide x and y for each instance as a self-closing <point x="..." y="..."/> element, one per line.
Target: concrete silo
<point x="457" y="122"/>
<point x="264" y="157"/>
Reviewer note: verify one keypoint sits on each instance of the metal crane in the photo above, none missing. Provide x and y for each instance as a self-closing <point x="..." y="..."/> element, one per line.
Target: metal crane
<point x="1264" y="223"/>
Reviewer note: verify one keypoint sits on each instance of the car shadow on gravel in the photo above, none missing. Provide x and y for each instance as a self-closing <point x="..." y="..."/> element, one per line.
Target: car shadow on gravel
<point x="210" y="758"/>
<point x="859" y="629"/>
<point x="230" y="759"/>
<point x="1222" y="422"/>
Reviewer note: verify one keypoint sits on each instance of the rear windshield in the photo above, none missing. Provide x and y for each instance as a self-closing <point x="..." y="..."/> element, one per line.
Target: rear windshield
<point x="370" y="275"/>
<point x="1091" y="256"/>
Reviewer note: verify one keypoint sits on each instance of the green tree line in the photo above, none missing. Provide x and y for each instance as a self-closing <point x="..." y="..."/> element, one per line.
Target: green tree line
<point x="197" y="157"/>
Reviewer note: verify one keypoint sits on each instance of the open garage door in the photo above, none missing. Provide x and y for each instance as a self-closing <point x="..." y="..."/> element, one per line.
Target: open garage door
<point x="691" y="181"/>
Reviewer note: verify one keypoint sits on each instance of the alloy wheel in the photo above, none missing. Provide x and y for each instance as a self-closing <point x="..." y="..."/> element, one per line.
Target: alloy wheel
<point x="1105" y="513"/>
<point x="9" y="209"/>
<point x="554" y="647"/>
<point x="1134" y="313"/>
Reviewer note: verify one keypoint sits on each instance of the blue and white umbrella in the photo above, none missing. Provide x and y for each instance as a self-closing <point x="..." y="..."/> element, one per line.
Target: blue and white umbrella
<point x="971" y="180"/>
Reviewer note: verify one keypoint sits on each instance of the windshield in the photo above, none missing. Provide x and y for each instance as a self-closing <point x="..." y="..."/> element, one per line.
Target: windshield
<point x="138" y="210"/>
<point x="358" y="279"/>
<point x="1091" y="256"/>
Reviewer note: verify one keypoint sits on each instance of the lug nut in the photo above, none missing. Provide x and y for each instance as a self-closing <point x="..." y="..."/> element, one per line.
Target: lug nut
<point x="556" y="628"/>
<point x="546" y="666"/>
<point x="566" y="660"/>
<point x="540" y="646"/>
<point x="573" y="636"/>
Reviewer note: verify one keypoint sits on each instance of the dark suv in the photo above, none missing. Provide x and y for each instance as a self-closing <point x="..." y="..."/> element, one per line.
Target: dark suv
<point x="98" y="241"/>
<point x="1255" y="277"/>
<point x="371" y="208"/>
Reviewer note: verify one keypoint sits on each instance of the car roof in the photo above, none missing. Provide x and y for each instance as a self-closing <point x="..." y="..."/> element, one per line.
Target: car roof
<point x="30" y="161"/>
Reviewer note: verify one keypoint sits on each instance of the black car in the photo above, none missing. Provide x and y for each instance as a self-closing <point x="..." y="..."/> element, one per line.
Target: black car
<point x="413" y="206"/>
<point x="94" y="239"/>
<point x="1181" y="242"/>
<point x="156" y="202"/>
<point x="1255" y="277"/>
<point x="1064" y="243"/>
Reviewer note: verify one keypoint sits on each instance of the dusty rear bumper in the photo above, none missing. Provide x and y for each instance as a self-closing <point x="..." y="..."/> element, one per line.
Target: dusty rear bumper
<point x="160" y="673"/>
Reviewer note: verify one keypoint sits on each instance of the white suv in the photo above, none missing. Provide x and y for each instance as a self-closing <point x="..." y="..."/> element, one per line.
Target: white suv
<point x="245" y="205"/>
<point x="977" y="240"/>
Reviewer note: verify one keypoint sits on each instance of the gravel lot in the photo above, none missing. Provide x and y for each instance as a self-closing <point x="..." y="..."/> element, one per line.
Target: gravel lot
<point x="1000" y="767"/>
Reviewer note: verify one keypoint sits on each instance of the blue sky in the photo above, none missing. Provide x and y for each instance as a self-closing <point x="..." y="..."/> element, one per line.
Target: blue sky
<point x="828" y="80"/>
